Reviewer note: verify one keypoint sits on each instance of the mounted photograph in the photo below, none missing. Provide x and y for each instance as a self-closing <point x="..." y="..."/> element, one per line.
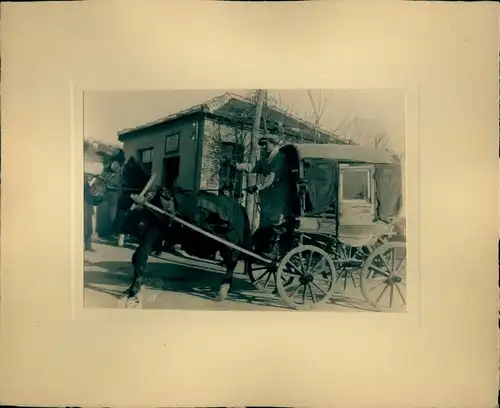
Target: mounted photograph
<point x="243" y="199"/>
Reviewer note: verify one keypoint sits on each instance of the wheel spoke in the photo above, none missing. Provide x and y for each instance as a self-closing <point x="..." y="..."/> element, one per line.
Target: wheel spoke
<point x="379" y="271"/>
<point x="316" y="265"/>
<point x="353" y="280"/>
<point x="267" y="281"/>
<point x="294" y="267"/>
<point x="322" y="279"/>
<point x="377" y="285"/>
<point x="301" y="263"/>
<point x="264" y="274"/>
<point x="291" y="273"/>
<point x="382" y="294"/>
<point x="403" y="259"/>
<point x="295" y="291"/>
<point x="401" y="295"/>
<point x="312" y="293"/>
<point x="304" y="295"/>
<point x="321" y="289"/>
<point x="310" y="260"/>
<point x="385" y="261"/>
<point x="391" y="295"/>
<point x="393" y="261"/>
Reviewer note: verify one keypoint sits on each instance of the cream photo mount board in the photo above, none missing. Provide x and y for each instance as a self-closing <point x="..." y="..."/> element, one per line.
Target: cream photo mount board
<point x="441" y="353"/>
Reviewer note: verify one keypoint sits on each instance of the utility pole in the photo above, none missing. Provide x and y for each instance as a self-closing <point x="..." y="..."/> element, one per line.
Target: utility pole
<point x="251" y="178"/>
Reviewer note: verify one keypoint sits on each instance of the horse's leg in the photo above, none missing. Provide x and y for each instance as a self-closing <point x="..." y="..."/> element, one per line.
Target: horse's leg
<point x="157" y="246"/>
<point x="140" y="258"/>
<point x="230" y="258"/>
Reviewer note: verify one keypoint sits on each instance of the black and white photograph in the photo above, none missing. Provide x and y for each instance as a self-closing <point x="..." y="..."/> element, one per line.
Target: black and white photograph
<point x="245" y="200"/>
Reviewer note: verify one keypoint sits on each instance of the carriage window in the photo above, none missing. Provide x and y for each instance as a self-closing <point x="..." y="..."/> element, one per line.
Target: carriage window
<point x="146" y="158"/>
<point x="355" y="184"/>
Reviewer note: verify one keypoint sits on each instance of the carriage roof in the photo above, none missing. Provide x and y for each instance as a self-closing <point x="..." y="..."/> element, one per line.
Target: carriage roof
<point x="344" y="153"/>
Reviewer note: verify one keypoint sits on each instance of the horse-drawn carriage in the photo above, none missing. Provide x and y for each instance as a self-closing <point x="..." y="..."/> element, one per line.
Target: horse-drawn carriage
<point x="346" y="200"/>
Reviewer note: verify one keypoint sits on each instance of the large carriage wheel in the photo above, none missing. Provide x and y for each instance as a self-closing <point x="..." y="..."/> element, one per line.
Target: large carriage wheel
<point x="312" y="274"/>
<point x="383" y="278"/>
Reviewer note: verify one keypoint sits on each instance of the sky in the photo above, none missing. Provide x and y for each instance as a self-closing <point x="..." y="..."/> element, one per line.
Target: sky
<point x="107" y="112"/>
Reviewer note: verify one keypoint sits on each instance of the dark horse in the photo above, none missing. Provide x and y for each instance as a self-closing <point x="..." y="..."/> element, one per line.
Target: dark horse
<point x="221" y="216"/>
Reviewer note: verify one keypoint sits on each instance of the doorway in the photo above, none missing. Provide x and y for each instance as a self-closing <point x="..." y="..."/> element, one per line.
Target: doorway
<point x="170" y="170"/>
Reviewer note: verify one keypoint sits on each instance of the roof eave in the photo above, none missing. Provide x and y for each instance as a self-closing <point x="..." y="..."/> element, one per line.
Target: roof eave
<point x="126" y="133"/>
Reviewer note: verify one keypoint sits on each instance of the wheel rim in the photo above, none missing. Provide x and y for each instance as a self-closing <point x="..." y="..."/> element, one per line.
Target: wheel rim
<point x="383" y="278"/>
<point x="313" y="273"/>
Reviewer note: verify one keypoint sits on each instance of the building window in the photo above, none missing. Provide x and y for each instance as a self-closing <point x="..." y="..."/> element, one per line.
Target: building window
<point x="146" y="158"/>
<point x="172" y="143"/>
<point x="227" y="175"/>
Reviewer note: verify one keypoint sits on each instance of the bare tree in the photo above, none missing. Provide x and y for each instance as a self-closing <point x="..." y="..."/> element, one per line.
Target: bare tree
<point x="379" y="140"/>
<point x="318" y="109"/>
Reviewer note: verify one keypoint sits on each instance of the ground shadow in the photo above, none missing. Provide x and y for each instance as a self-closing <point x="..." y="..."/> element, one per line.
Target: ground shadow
<point x="343" y="300"/>
<point x="177" y="276"/>
<point x="110" y="292"/>
<point x="173" y="277"/>
<point x="170" y="256"/>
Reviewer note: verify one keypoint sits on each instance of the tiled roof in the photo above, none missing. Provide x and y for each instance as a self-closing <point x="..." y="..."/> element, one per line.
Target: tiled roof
<point x="231" y="105"/>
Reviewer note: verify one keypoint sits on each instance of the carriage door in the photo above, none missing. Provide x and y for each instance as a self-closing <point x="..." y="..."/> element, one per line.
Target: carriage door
<point x="356" y="194"/>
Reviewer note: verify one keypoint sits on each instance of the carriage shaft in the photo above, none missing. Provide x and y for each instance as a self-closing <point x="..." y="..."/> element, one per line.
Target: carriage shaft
<point x="205" y="233"/>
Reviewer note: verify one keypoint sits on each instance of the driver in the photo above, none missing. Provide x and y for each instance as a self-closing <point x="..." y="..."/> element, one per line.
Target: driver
<point x="275" y="193"/>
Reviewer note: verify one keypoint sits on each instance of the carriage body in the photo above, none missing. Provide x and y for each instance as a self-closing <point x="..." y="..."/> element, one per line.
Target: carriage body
<point x="349" y="191"/>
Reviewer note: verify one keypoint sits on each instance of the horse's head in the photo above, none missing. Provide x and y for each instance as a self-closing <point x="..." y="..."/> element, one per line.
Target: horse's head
<point x="134" y="179"/>
<point x="134" y="176"/>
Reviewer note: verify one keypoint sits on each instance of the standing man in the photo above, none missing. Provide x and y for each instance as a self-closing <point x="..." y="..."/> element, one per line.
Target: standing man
<point x="88" y="213"/>
<point x="276" y="200"/>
